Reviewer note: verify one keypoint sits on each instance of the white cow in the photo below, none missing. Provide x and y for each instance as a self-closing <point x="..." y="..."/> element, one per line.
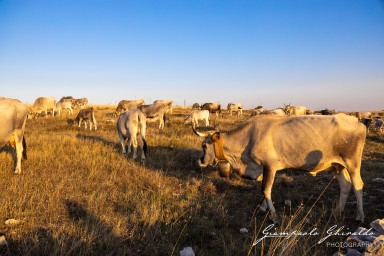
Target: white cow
<point x="43" y="104"/>
<point x="131" y="125"/>
<point x="13" y="116"/>
<point x="197" y="115"/>
<point x="166" y="103"/>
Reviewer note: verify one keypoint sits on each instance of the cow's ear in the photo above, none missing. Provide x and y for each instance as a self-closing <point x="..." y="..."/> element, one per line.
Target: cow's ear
<point x="215" y="136"/>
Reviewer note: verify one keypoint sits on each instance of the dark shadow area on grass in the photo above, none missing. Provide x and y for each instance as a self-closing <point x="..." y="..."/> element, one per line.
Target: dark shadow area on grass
<point x="98" y="139"/>
<point x="376" y="138"/>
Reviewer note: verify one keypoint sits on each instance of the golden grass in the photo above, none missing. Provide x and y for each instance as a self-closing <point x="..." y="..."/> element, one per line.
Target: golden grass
<point x="78" y="195"/>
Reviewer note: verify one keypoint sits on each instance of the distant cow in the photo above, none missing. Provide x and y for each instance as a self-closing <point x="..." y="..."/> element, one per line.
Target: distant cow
<point x="43" y="104"/>
<point x="326" y="112"/>
<point x="153" y="111"/>
<point x="367" y="122"/>
<point x="86" y="114"/>
<point x="274" y="112"/>
<point x="197" y="115"/>
<point x="166" y="103"/>
<point x="80" y="103"/>
<point x="13" y="116"/>
<point x="64" y="105"/>
<point x="196" y="106"/>
<point x="132" y="125"/>
<point x="213" y="107"/>
<point x="295" y="110"/>
<point x="379" y="124"/>
<point x="128" y="105"/>
<point x="235" y="107"/>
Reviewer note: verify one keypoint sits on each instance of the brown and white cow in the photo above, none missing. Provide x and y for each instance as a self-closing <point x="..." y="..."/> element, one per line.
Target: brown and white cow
<point x="266" y="144"/>
<point x="212" y="107"/>
<point x="154" y="111"/>
<point x="131" y="125"/>
<point x="43" y="104"/>
<point x="128" y="105"/>
<point x="13" y="116"/>
<point x="235" y="107"/>
<point x="86" y="114"/>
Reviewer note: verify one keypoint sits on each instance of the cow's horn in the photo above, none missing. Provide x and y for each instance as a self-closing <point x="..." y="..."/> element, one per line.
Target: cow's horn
<point x="201" y="134"/>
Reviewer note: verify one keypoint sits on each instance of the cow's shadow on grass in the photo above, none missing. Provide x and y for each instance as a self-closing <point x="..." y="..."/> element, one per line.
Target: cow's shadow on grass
<point x="7" y="149"/>
<point x="98" y="139"/>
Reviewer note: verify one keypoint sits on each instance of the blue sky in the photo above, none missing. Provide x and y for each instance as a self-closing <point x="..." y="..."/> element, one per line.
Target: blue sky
<point x="317" y="53"/>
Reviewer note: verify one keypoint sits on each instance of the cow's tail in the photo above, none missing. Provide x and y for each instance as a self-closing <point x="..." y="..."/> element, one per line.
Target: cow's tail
<point x="145" y="147"/>
<point x="24" y="149"/>
<point x="164" y="119"/>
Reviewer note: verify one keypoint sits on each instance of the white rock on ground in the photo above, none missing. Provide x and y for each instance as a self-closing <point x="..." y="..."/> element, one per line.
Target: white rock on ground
<point x="187" y="251"/>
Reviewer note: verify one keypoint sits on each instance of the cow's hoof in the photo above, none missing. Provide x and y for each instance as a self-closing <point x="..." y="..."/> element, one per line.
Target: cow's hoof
<point x="360" y="217"/>
<point x="273" y="217"/>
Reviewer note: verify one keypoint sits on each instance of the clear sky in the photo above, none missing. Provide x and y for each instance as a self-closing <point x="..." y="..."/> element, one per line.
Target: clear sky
<point x="317" y="53"/>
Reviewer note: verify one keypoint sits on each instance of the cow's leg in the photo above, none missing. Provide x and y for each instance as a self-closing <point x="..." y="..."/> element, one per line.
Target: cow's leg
<point x="358" y="184"/>
<point x="122" y="142"/>
<point x="264" y="206"/>
<point x="90" y="125"/>
<point x="345" y="186"/>
<point x="79" y="124"/>
<point x="161" y="125"/>
<point x="206" y="122"/>
<point x="134" y="146"/>
<point x="129" y="144"/>
<point x="142" y="148"/>
<point x="268" y="179"/>
<point x="19" y="152"/>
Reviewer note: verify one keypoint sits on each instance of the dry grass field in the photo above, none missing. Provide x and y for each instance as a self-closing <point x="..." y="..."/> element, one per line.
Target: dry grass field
<point x="78" y="195"/>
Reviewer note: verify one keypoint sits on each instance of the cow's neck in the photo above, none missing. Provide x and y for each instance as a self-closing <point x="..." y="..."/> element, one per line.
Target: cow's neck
<point x="234" y="145"/>
<point x="219" y="149"/>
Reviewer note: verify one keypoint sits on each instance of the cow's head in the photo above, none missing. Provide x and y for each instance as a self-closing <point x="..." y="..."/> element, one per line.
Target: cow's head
<point x="213" y="152"/>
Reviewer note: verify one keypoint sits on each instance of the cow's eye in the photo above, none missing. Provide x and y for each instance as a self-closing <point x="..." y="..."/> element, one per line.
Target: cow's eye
<point x="204" y="146"/>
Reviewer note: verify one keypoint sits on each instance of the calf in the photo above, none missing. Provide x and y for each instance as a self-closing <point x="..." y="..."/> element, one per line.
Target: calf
<point x="132" y="125"/>
<point x="86" y="114"/>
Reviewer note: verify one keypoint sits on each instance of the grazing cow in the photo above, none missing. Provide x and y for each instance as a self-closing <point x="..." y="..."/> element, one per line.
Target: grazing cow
<point x="235" y="107"/>
<point x="64" y="105"/>
<point x="196" y="106"/>
<point x="295" y="110"/>
<point x="86" y="114"/>
<point x="379" y="124"/>
<point x="166" y="103"/>
<point x="43" y="104"/>
<point x="128" y="105"/>
<point x="13" y="116"/>
<point x="197" y="115"/>
<point x="274" y="112"/>
<point x="131" y="125"/>
<point x="80" y="103"/>
<point x="214" y="107"/>
<point x="367" y="122"/>
<point x="266" y="144"/>
<point x="153" y="111"/>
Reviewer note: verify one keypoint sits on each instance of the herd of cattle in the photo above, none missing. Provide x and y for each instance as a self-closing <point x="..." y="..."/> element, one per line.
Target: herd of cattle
<point x="270" y="140"/>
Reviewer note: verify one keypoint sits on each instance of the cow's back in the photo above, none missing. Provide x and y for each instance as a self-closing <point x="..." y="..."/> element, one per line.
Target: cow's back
<point x="44" y="102"/>
<point x="304" y="141"/>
